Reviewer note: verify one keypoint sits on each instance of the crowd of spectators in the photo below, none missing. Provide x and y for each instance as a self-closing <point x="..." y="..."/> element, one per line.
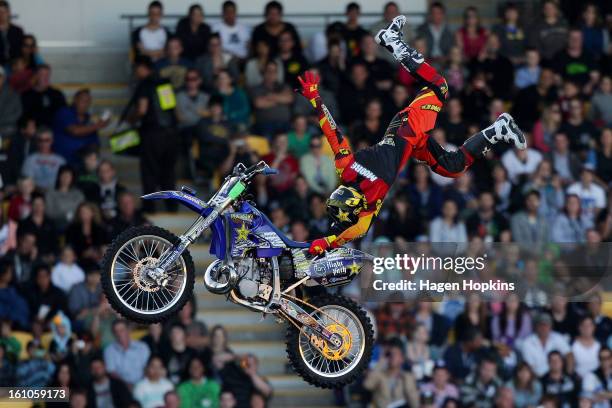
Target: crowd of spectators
<point x="62" y="202"/>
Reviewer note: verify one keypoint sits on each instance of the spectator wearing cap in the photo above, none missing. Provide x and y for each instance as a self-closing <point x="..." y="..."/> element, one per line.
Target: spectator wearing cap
<point x="592" y="196"/>
<point x="558" y="382"/>
<point x="150" y="39"/>
<point x="125" y="358"/>
<point x="84" y="297"/>
<point x="11" y="35"/>
<point x="43" y="100"/>
<point x="481" y="387"/>
<point x="272" y="101"/>
<point x="272" y="27"/>
<point x="536" y="347"/>
<point x="173" y="66"/>
<point x="74" y="129"/>
<point x="436" y="32"/>
<point x="549" y="33"/>
<point x="440" y="385"/>
<point x="43" y="165"/>
<point x="193" y="32"/>
<point x="235" y="36"/>
<point x="10" y="106"/>
<point x="318" y="169"/>
<point x="379" y="381"/>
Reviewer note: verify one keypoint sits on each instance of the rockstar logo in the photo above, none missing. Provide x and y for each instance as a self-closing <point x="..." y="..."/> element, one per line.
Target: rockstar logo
<point x="243" y="233"/>
<point x="485" y="150"/>
<point x="343" y="215"/>
<point x="353" y="268"/>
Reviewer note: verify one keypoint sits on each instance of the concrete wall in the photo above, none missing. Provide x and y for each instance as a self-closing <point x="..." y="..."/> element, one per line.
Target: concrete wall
<point x="86" y="23"/>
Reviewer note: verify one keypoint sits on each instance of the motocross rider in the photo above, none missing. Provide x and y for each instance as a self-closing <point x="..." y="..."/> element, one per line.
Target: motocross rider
<point x="367" y="174"/>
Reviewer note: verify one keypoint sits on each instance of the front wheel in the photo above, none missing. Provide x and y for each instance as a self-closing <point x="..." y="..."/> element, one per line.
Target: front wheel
<point x="332" y="366"/>
<point x="127" y="281"/>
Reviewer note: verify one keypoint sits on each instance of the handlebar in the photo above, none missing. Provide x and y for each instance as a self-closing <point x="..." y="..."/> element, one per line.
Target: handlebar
<point x="247" y="173"/>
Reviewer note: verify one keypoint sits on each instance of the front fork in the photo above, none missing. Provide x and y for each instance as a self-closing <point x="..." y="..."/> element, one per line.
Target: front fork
<point x="159" y="274"/>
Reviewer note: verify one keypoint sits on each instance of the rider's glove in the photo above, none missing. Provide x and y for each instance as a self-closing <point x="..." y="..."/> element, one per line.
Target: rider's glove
<point x="318" y="246"/>
<point x="310" y="85"/>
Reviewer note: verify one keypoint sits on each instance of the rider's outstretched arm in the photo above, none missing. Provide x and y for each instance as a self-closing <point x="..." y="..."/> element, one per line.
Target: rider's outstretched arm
<point x="333" y="133"/>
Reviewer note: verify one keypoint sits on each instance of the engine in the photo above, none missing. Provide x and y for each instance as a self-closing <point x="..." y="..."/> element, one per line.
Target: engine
<point x="255" y="274"/>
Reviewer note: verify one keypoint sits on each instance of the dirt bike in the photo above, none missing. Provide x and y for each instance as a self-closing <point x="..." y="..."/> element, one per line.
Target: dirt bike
<point x="148" y="275"/>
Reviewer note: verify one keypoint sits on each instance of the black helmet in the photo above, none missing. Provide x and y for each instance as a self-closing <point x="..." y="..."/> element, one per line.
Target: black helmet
<point x="344" y="206"/>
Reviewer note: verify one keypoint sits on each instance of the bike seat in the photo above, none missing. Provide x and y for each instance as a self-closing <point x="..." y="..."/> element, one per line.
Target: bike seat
<point x="289" y="242"/>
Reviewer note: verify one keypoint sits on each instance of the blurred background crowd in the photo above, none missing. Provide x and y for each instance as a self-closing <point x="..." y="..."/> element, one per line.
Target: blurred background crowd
<point x="547" y="62"/>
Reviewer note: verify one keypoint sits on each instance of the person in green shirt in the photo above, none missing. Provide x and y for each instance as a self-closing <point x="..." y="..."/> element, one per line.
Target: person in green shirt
<point x="299" y="136"/>
<point x="198" y="391"/>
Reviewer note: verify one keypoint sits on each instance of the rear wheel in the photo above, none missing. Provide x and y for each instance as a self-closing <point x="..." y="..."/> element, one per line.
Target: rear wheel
<point x="126" y="279"/>
<point x="332" y="366"/>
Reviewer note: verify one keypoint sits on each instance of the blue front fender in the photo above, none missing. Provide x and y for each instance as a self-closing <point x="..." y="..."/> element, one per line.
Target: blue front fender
<point x="189" y="201"/>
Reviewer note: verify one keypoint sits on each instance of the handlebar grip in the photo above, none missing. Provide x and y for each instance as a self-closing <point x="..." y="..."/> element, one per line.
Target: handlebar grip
<point x="269" y="171"/>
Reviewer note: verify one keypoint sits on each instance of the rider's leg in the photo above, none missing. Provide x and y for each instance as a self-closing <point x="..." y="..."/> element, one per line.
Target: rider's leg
<point x="411" y="59"/>
<point x="452" y="164"/>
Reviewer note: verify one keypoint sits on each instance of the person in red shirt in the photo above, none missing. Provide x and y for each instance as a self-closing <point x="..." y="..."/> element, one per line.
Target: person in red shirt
<point x="288" y="166"/>
<point x="368" y="174"/>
